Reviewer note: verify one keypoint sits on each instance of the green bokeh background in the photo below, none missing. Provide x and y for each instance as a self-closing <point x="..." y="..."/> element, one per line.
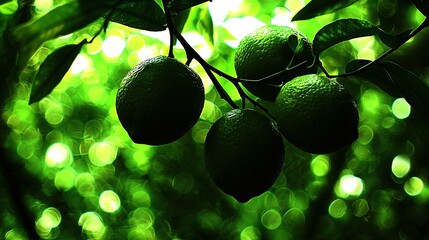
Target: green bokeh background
<point x="83" y="178"/>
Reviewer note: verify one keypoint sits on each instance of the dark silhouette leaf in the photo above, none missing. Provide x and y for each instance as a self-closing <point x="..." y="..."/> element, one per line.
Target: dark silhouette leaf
<point x="180" y="5"/>
<point x="375" y="74"/>
<point x="145" y="15"/>
<point x="52" y="71"/>
<point x="394" y="41"/>
<point x="59" y="21"/>
<point x="340" y="31"/>
<point x="414" y="90"/>
<point x="179" y="21"/>
<point x="4" y="1"/>
<point x="320" y="7"/>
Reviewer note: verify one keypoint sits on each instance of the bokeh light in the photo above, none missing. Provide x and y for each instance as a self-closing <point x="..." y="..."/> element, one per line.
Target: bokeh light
<point x="58" y="155"/>
<point x="414" y="186"/>
<point x="401" y="166"/>
<point x="320" y="165"/>
<point x="92" y="225"/>
<point x="102" y="153"/>
<point x="349" y="186"/>
<point x="109" y="201"/>
<point x="401" y="109"/>
<point x="338" y="208"/>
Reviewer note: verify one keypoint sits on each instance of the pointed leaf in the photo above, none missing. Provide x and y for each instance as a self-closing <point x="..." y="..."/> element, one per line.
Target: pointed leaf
<point x="179" y="21"/>
<point x="205" y="25"/>
<point x="145" y="15"/>
<point x="342" y="30"/>
<point x="394" y="41"/>
<point x="375" y="74"/>
<point x="180" y="5"/>
<point x="415" y="91"/>
<point x="62" y="20"/>
<point x="320" y="7"/>
<point x="52" y="71"/>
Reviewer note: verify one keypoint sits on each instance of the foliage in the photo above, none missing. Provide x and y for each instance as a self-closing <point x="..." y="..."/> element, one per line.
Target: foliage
<point x="71" y="171"/>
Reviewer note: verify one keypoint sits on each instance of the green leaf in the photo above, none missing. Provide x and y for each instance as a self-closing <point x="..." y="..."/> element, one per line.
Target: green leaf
<point x="180" y="5"/>
<point x="65" y="19"/>
<point x="340" y="31"/>
<point x="179" y="21"/>
<point x="52" y="71"/>
<point x="145" y="15"/>
<point x="414" y="90"/>
<point x="375" y="74"/>
<point x="320" y="7"/>
<point x="394" y="41"/>
<point x="205" y="24"/>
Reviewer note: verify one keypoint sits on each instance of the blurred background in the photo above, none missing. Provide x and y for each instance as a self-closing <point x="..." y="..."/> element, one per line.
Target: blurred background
<point x="83" y="178"/>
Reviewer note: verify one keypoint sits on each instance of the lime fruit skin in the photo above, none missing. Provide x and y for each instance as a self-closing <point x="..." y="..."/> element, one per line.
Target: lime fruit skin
<point x="316" y="114"/>
<point x="159" y="100"/>
<point x="244" y="153"/>
<point x="269" y="50"/>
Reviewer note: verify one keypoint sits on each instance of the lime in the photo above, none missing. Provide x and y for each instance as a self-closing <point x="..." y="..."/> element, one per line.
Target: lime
<point x="269" y="50"/>
<point x="244" y="153"/>
<point x="159" y="100"/>
<point x="316" y="114"/>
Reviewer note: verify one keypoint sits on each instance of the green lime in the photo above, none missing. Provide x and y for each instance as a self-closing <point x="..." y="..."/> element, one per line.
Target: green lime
<point x="244" y="153"/>
<point x="316" y="114"/>
<point x="159" y="100"/>
<point x="269" y="50"/>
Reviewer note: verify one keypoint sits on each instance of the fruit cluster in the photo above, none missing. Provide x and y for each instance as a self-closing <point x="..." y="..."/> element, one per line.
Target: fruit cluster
<point x="161" y="99"/>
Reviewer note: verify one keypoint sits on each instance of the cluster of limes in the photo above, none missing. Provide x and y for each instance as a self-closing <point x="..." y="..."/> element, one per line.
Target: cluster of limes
<point x="161" y="99"/>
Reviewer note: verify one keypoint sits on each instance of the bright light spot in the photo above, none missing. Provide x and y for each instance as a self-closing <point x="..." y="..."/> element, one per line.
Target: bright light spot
<point x="147" y="52"/>
<point x="366" y="53"/>
<point x="109" y="201"/>
<point x="198" y="42"/>
<point x="401" y="166"/>
<point x="219" y="10"/>
<point x="283" y="17"/>
<point x="113" y="46"/>
<point x="43" y="5"/>
<point x="49" y="219"/>
<point x="271" y="219"/>
<point x="351" y="185"/>
<point x="102" y="153"/>
<point x="414" y="186"/>
<point x="80" y="63"/>
<point x="401" y="109"/>
<point x="58" y="155"/>
<point x="64" y="179"/>
<point x="320" y="165"/>
<point x="250" y="233"/>
<point x="337" y="208"/>
<point x="240" y="27"/>
<point x="92" y="225"/>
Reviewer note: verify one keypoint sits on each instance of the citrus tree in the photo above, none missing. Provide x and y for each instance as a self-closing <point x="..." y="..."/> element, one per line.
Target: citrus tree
<point x="147" y="119"/>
